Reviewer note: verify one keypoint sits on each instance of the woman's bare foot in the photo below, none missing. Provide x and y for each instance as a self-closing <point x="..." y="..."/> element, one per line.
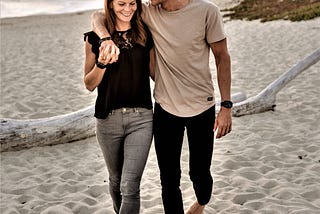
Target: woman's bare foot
<point x="196" y="208"/>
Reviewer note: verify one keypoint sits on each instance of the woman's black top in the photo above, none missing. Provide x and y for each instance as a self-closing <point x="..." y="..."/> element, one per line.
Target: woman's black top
<point x="126" y="82"/>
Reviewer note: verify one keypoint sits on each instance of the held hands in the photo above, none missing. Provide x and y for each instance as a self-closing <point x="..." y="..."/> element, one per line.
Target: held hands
<point x="223" y="123"/>
<point x="108" y="52"/>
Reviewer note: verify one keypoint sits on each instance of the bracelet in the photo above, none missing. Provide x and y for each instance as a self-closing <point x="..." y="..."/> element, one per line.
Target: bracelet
<point x="104" y="39"/>
<point x="101" y="65"/>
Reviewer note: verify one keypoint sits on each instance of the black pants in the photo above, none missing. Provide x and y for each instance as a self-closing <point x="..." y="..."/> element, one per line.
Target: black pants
<point x="168" y="138"/>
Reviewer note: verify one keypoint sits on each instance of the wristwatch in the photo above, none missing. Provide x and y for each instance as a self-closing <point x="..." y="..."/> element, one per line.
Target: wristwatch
<point x="227" y="104"/>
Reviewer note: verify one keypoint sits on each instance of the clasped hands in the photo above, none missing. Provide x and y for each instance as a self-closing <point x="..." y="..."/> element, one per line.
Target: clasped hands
<point x="108" y="52"/>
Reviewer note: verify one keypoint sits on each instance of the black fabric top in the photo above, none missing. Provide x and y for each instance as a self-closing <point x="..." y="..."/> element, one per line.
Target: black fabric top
<point x="126" y="82"/>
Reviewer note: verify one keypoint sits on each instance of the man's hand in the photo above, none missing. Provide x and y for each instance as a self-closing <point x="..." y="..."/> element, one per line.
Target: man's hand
<point x="109" y="52"/>
<point x="223" y="123"/>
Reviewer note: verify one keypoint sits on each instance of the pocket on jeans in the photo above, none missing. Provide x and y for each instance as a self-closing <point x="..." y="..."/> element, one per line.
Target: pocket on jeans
<point x="103" y="121"/>
<point x="145" y="112"/>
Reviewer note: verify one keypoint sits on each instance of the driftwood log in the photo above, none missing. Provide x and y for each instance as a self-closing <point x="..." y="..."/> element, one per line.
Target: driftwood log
<point x="21" y="134"/>
<point x="266" y="99"/>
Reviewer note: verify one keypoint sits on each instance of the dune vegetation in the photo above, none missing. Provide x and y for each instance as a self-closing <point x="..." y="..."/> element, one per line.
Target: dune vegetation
<point x="268" y="10"/>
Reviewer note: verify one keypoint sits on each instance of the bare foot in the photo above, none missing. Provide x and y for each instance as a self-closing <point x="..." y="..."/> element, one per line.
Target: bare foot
<point x="196" y="208"/>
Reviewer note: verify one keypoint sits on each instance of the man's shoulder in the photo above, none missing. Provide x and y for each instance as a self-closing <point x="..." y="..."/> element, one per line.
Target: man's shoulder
<point x="148" y="10"/>
<point x="146" y="5"/>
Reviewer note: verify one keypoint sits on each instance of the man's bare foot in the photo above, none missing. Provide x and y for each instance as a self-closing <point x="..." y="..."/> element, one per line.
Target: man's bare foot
<point x="196" y="208"/>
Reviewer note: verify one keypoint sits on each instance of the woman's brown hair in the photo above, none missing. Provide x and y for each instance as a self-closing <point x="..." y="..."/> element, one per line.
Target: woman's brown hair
<point x="138" y="35"/>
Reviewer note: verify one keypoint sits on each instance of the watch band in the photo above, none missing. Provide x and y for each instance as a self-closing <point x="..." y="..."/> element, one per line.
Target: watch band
<point x="104" y="39"/>
<point x="101" y="65"/>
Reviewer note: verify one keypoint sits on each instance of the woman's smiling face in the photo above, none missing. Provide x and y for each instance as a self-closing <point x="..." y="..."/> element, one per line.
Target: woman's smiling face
<point x="124" y="10"/>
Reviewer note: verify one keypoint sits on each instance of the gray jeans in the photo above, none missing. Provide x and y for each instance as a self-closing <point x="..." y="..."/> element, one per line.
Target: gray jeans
<point x="125" y="138"/>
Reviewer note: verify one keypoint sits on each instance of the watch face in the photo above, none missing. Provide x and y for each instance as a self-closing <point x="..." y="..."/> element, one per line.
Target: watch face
<point x="227" y="104"/>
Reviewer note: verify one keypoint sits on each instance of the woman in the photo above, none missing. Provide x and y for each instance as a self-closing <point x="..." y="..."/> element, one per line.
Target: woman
<point x="123" y="106"/>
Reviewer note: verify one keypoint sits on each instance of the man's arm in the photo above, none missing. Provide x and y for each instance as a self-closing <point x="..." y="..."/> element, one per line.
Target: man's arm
<point x="98" y="26"/>
<point x="98" y="23"/>
<point x="223" y="123"/>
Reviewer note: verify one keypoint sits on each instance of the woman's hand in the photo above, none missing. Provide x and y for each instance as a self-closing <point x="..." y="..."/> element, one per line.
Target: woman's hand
<point x="108" y="52"/>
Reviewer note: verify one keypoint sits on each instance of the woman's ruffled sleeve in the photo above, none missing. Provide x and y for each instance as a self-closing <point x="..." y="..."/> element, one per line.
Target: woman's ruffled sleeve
<point x="93" y="39"/>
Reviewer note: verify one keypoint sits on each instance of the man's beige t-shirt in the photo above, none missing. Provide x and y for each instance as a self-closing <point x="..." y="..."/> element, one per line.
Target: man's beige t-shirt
<point x="183" y="81"/>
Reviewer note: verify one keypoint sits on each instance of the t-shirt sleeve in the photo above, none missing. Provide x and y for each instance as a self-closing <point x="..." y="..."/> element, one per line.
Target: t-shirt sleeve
<point x="214" y="25"/>
<point x="145" y="6"/>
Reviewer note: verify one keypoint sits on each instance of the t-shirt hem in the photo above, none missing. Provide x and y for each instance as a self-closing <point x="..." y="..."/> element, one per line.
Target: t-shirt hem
<point x="186" y="113"/>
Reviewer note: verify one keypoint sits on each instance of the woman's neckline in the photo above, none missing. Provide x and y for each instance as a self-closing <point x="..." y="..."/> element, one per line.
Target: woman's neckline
<point x="122" y="32"/>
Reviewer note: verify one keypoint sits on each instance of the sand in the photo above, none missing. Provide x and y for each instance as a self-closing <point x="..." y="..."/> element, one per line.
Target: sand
<point x="270" y="162"/>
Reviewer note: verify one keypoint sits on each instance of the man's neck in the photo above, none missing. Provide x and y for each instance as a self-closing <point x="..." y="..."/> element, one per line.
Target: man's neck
<point x="173" y="5"/>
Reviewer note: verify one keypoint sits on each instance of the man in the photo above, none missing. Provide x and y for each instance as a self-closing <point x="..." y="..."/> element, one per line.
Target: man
<point x="184" y="31"/>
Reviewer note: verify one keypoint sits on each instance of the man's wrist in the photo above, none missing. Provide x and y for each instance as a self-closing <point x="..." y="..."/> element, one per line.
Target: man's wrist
<point x="104" y="39"/>
<point x="104" y="35"/>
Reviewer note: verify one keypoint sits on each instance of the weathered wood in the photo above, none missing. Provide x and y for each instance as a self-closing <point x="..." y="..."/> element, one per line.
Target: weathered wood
<point x="22" y="134"/>
<point x="266" y="99"/>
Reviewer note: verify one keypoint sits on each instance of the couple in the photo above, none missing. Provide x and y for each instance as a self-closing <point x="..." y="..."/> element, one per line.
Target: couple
<point x="169" y="40"/>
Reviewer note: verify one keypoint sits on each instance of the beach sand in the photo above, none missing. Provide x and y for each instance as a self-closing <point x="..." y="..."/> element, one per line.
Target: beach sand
<point x="270" y="162"/>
